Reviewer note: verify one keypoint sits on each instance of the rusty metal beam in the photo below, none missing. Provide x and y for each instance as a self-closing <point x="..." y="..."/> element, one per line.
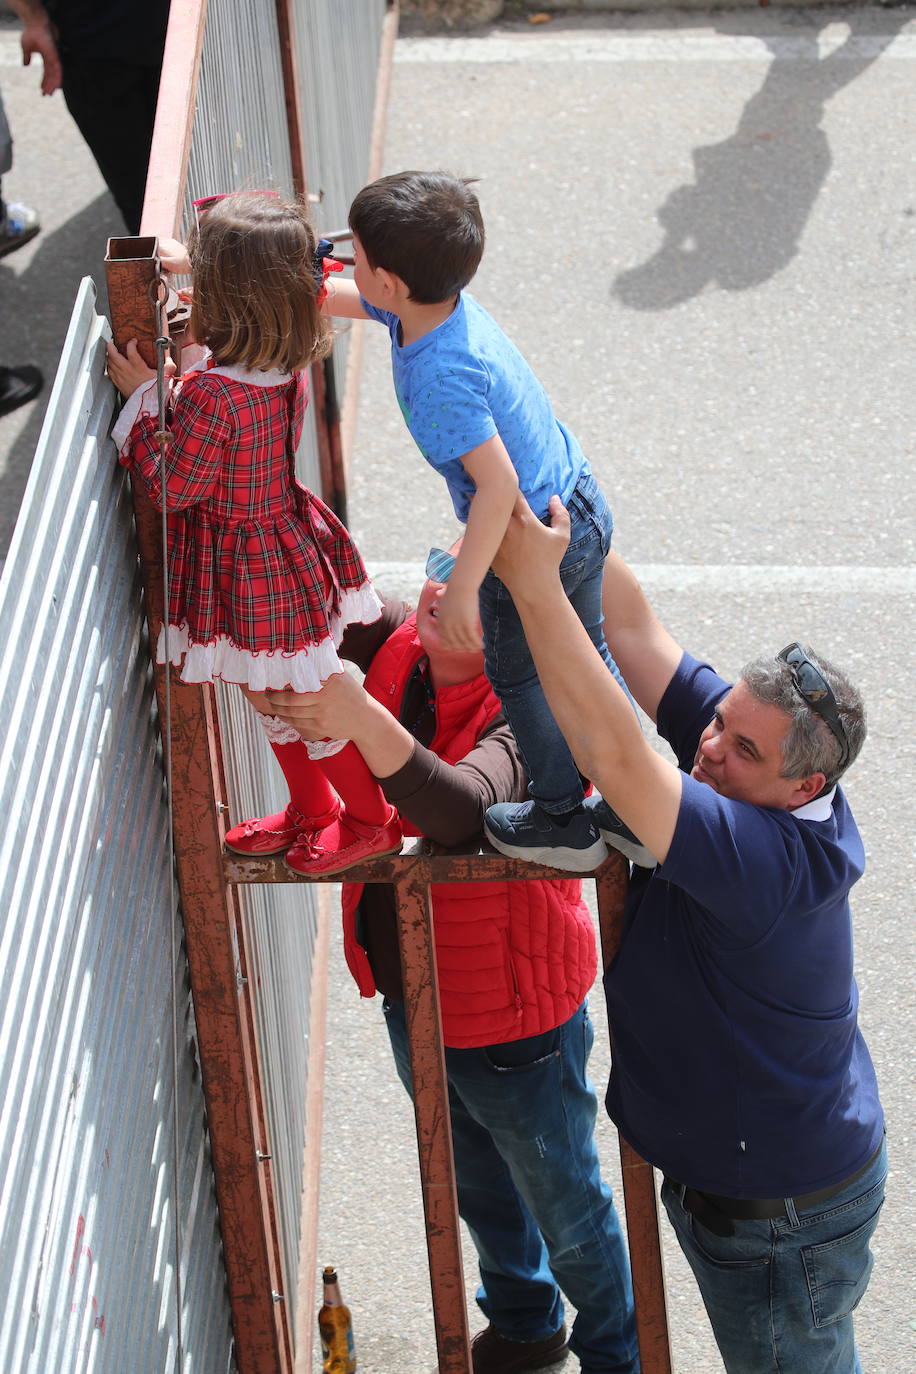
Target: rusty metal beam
<point x="171" y="147"/>
<point x="287" y="37"/>
<point x="445" y="866"/>
<point x="638" y="1178"/>
<point x="343" y="444"/>
<point x="434" y="1135"/>
<point x="214" y="934"/>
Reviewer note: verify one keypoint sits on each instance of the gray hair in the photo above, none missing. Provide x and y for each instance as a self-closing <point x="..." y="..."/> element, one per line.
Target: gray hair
<point x="809" y="745"/>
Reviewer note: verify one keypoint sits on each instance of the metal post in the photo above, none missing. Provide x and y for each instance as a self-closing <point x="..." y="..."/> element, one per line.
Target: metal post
<point x="434" y="1134"/>
<point x="215" y="938"/>
<point x="638" y="1178"/>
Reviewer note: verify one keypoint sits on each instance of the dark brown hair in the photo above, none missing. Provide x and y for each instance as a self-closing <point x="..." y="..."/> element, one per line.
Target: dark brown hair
<point x="255" y="298"/>
<point x="425" y="227"/>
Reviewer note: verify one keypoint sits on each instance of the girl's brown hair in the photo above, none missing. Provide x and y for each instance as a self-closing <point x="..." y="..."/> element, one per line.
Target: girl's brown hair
<point x="255" y="295"/>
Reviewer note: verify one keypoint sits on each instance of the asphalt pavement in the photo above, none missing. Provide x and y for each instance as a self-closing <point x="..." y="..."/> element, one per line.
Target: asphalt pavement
<point x="702" y="232"/>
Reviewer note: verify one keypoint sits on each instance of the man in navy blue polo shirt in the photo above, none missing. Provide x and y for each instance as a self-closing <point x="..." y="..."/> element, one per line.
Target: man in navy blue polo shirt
<point x="738" y="1066"/>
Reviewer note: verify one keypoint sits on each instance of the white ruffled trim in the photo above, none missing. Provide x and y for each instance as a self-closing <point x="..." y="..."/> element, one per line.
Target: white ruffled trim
<point x="324" y="748"/>
<point x="303" y="671"/>
<point x="279" y="731"/>
<point x="358" y="606"/>
<point x="141" y="401"/>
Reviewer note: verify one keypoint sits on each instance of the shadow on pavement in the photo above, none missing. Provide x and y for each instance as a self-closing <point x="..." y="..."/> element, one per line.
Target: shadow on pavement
<point x="740" y="221"/>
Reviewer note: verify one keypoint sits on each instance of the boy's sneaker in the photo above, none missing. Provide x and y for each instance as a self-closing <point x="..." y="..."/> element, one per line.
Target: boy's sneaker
<point x="18" y="224"/>
<point x="522" y="830"/>
<point x="616" y="834"/>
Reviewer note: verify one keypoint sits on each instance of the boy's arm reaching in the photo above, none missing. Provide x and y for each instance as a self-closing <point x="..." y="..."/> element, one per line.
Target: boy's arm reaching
<point x="490" y="468"/>
<point x="343" y="299"/>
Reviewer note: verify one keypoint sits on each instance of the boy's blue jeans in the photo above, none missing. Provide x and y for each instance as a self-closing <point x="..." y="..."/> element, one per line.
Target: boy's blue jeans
<point x="530" y="1189"/>
<point x="555" y="784"/>
<point x="780" y="1293"/>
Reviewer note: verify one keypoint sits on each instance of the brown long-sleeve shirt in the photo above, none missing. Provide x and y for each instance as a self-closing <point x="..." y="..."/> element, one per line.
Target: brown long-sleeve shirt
<point x="446" y="802"/>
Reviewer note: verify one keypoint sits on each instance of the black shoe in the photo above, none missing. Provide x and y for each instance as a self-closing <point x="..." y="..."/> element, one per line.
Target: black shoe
<point x="522" y="830"/>
<point x="616" y="834"/>
<point x="492" y="1353"/>
<point x="18" y="385"/>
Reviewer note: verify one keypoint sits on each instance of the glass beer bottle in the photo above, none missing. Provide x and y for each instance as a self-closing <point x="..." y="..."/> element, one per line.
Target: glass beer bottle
<point x="338" y="1353"/>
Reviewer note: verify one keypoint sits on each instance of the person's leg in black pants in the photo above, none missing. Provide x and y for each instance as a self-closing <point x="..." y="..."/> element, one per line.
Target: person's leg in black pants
<point x="114" y="106"/>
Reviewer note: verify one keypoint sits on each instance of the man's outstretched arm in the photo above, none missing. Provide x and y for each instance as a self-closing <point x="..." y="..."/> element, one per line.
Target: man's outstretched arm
<point x="646" y="654"/>
<point x="590" y="708"/>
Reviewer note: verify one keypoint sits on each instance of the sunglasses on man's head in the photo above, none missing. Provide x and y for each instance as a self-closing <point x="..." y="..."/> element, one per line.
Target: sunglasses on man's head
<point x="439" y="565"/>
<point x="813" y="688"/>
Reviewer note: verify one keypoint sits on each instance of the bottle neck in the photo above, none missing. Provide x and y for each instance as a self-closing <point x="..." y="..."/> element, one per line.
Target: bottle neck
<point x="332" y="1296"/>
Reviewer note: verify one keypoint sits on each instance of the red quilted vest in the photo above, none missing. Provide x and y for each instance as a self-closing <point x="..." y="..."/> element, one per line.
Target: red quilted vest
<point x="514" y="959"/>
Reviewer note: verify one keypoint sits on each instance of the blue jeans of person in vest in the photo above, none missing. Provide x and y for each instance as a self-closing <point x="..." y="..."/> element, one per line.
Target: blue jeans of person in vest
<point x="780" y="1293"/>
<point x="530" y="1189"/>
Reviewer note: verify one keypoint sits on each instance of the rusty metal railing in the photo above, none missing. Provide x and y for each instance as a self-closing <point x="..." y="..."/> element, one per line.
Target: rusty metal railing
<point x="411" y="874"/>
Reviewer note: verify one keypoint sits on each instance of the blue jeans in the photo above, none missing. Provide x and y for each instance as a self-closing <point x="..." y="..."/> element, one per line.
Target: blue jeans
<point x="780" y="1293"/>
<point x="555" y="784"/>
<point x="530" y="1189"/>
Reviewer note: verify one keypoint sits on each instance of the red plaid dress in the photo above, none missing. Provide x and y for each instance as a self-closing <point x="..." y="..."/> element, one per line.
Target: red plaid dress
<point x="263" y="577"/>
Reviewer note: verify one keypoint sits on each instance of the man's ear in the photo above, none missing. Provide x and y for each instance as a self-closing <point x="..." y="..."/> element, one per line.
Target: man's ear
<point x="806" y="789"/>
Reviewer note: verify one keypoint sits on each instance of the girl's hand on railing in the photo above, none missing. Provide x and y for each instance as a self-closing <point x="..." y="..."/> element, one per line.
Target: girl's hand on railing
<point x="174" y="257"/>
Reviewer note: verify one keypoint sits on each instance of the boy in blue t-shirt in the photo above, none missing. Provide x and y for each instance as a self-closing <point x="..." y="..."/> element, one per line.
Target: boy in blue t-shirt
<point x="480" y="416"/>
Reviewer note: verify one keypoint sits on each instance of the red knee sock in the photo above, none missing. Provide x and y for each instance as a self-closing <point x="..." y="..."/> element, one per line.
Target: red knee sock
<point x="309" y="789"/>
<point x="355" y="785"/>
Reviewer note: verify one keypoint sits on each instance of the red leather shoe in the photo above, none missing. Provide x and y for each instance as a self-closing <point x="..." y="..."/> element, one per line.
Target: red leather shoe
<point x="343" y="843"/>
<point x="265" y="835"/>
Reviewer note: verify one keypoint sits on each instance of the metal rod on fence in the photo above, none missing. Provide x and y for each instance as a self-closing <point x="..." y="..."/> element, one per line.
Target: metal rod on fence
<point x="638" y="1179"/>
<point x="434" y="1136"/>
<point x="215" y="939"/>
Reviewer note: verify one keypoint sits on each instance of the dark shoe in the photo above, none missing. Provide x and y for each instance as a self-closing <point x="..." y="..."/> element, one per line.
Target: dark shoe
<point x="523" y="831"/>
<point x="18" y="385"/>
<point x="18" y="224"/>
<point x="492" y="1353"/>
<point x="616" y="834"/>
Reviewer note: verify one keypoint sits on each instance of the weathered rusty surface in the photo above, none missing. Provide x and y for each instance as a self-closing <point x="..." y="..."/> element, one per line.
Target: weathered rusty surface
<point x="132" y="274"/>
<point x="294" y="117"/>
<point x="638" y="1178"/>
<point x="445" y="866"/>
<point x="175" y="109"/>
<point x="434" y="1136"/>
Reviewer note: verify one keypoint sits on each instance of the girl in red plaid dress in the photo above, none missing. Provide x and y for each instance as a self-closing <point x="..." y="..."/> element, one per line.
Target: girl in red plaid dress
<point x="263" y="577"/>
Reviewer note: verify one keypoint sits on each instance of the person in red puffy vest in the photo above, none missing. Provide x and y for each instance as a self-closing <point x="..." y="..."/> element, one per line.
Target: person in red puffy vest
<point x="515" y="963"/>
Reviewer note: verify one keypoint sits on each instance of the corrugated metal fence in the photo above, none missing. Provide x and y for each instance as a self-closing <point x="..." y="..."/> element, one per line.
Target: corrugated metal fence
<point x="100" y="1139"/>
<point x="87" y="1209"/>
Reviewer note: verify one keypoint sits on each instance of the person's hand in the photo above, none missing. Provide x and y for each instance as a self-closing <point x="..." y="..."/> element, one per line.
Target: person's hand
<point x="458" y="621"/>
<point x="332" y="713"/>
<point x="128" y="370"/>
<point x="531" y="551"/>
<point x="173" y="256"/>
<point x="38" y="37"/>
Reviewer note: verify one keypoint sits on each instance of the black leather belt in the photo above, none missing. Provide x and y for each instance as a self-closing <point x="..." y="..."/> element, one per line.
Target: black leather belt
<point x="717" y="1213"/>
